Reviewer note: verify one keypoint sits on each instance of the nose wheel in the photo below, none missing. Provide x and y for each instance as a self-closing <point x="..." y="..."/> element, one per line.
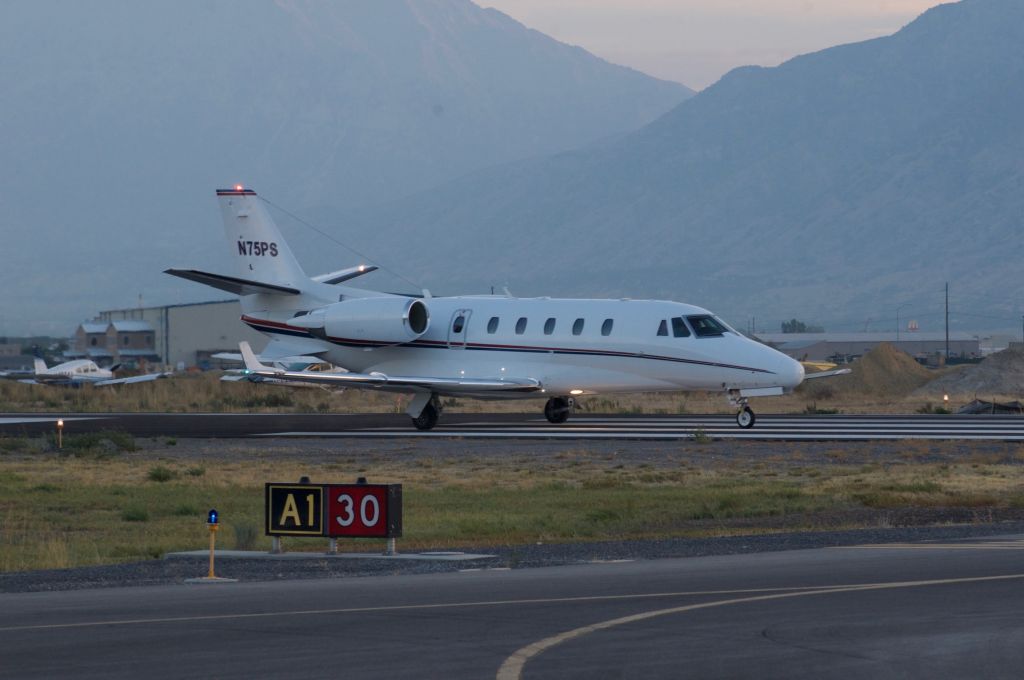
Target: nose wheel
<point x="745" y="418"/>
<point x="558" y="409"/>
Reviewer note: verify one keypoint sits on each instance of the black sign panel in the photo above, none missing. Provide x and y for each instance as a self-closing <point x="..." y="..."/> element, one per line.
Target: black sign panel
<point x="294" y="509"/>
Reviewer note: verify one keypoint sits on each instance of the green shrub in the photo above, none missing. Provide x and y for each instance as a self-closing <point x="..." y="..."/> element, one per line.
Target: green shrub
<point x="161" y="474"/>
<point x="135" y="515"/>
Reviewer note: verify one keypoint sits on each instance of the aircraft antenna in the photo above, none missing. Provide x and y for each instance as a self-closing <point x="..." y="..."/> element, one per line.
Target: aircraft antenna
<point x="336" y="241"/>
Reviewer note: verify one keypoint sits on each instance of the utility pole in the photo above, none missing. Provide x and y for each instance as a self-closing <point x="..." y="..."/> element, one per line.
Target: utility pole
<point x="947" y="320"/>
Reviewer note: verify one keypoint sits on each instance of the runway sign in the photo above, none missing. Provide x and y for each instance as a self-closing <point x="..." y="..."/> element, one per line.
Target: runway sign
<point x="364" y="510"/>
<point x="294" y="509"/>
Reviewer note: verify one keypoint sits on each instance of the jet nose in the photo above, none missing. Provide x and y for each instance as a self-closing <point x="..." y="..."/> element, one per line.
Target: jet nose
<point x="791" y="372"/>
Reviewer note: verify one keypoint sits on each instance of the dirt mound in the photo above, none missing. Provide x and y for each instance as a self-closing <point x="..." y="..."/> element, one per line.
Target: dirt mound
<point x="883" y="372"/>
<point x="1001" y="373"/>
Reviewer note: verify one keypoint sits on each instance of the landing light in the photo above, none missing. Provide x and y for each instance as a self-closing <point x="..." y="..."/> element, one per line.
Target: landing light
<point x="575" y="392"/>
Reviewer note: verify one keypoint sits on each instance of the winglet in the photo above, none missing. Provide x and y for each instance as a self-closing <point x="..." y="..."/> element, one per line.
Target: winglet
<point x="252" y="364"/>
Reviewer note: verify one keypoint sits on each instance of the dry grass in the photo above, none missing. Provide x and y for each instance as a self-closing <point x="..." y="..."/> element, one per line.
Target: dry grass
<point x="79" y="510"/>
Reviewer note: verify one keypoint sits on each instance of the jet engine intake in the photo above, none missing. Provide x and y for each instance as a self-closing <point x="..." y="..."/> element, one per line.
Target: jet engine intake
<point x="390" y="320"/>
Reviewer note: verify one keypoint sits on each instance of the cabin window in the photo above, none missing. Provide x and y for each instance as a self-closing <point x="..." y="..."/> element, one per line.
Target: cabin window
<point x="606" y="327"/>
<point x="706" y="326"/>
<point x="663" y="328"/>
<point x="460" y="322"/>
<point x="577" y="327"/>
<point x="492" y="325"/>
<point x="521" y="325"/>
<point x="679" y="329"/>
<point x="549" y="326"/>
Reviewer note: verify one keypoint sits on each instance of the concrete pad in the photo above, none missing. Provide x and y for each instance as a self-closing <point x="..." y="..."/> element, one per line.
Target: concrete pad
<point x="256" y="555"/>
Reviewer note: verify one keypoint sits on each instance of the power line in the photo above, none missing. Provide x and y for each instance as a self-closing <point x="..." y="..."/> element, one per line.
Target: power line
<point x="337" y="242"/>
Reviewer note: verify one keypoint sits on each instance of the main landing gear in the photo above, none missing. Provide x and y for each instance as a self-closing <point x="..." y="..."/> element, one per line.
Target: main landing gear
<point x="745" y="417"/>
<point x="428" y="408"/>
<point x="558" y="409"/>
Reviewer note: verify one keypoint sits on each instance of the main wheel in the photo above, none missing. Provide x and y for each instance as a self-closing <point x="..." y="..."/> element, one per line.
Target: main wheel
<point x="427" y="418"/>
<point x="557" y="410"/>
<point x="745" y="418"/>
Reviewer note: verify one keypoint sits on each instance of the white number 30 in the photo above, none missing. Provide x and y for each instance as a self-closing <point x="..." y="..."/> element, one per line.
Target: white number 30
<point x="369" y="510"/>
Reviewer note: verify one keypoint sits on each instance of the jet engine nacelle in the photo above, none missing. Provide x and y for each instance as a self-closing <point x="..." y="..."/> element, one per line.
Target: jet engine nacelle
<point x="391" y="320"/>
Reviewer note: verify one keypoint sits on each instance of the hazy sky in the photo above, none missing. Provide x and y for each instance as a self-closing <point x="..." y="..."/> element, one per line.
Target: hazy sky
<point x="696" y="42"/>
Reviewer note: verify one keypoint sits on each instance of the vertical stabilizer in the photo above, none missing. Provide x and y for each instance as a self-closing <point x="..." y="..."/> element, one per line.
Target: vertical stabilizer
<point x="255" y="244"/>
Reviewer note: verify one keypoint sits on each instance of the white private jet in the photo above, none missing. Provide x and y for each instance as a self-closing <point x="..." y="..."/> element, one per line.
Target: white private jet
<point x="482" y="346"/>
<point x="83" y="372"/>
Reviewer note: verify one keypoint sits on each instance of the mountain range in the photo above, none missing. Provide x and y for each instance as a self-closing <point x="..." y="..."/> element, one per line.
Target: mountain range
<point x="465" y="152"/>
<point x="835" y="188"/>
<point x="120" y="118"/>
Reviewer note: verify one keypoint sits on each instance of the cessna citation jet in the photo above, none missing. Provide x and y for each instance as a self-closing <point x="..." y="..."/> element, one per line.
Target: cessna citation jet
<point x="488" y="347"/>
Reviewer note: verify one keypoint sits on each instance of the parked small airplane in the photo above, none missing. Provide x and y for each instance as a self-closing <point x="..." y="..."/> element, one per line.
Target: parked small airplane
<point x="83" y="372"/>
<point x="481" y="346"/>
<point x="292" y="363"/>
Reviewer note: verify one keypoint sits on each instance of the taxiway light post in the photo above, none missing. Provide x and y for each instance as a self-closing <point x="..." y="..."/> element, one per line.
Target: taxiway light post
<point x="60" y="434"/>
<point x="212" y="519"/>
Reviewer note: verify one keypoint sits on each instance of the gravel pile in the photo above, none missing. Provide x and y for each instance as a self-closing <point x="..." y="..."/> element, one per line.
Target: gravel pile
<point x="176" y="570"/>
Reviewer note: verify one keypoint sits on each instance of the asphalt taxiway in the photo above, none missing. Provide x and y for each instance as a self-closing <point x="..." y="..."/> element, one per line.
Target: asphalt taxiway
<point x="524" y="426"/>
<point x="920" y="610"/>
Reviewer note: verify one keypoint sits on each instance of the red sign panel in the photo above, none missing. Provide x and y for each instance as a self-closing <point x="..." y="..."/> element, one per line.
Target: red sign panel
<point x="364" y="510"/>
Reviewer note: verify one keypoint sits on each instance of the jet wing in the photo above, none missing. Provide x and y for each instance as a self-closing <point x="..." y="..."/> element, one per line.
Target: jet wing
<point x="394" y="382"/>
<point x="826" y="374"/>
<point x="149" y="377"/>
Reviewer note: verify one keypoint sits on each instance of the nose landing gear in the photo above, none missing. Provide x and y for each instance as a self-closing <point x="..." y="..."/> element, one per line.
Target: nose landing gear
<point x="558" y="409"/>
<point x="745" y="417"/>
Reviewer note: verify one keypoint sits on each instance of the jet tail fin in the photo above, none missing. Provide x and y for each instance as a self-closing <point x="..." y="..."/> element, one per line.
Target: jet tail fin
<point x="255" y="243"/>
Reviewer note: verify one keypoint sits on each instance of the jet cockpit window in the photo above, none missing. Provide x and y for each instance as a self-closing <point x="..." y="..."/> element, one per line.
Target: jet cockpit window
<point x="663" y="328"/>
<point x="577" y="327"/>
<point x="521" y="325"/>
<point x="549" y="326"/>
<point x="460" y="322"/>
<point x="706" y="326"/>
<point x="679" y="329"/>
<point x="606" y="327"/>
<point x="492" y="325"/>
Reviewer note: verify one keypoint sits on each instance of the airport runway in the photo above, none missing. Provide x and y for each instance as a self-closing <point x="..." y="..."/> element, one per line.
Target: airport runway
<point x="922" y="610"/>
<point x="520" y="426"/>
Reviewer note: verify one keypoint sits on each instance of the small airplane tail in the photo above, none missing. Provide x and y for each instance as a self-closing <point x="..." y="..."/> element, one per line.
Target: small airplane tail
<point x="256" y="245"/>
<point x="40" y="365"/>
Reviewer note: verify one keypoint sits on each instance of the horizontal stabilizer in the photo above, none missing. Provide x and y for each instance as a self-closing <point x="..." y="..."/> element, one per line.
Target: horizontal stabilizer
<point x="345" y="274"/>
<point x="232" y="284"/>
<point x="392" y="382"/>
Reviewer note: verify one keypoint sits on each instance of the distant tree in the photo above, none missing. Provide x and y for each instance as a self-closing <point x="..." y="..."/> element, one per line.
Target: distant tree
<point x="797" y="326"/>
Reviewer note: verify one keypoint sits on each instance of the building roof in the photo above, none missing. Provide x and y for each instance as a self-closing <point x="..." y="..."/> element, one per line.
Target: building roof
<point x="130" y="326"/>
<point x="94" y="327"/>
<point x="138" y="353"/>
